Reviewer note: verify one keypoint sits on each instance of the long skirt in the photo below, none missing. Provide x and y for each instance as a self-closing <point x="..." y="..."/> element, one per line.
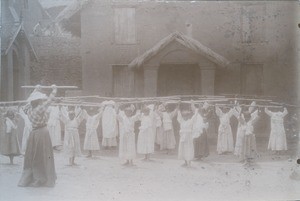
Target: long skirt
<point x="91" y="140"/>
<point x="277" y="140"/>
<point x="39" y="165"/>
<point x="55" y="134"/>
<point x="201" y="145"/>
<point x="127" y="148"/>
<point x="225" y="140"/>
<point x="9" y="144"/>
<point x="249" y="147"/>
<point x="186" y="147"/>
<point x="168" y="140"/>
<point x="25" y="137"/>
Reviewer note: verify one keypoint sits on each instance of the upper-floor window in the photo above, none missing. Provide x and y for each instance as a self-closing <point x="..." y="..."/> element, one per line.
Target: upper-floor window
<point x="125" y="27"/>
<point x="253" y="23"/>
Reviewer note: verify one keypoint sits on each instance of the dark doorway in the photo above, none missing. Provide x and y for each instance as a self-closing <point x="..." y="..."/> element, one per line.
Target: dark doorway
<point x="177" y="79"/>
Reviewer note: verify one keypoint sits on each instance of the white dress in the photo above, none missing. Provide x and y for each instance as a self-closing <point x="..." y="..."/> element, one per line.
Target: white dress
<point x="145" y="143"/>
<point x="91" y="141"/>
<point x="109" y="127"/>
<point x="186" y="145"/>
<point x="72" y="140"/>
<point x="277" y="140"/>
<point x="27" y="130"/>
<point x="54" y="126"/>
<point x="225" y="138"/>
<point x="239" y="133"/>
<point x="127" y="145"/>
<point x="159" y="128"/>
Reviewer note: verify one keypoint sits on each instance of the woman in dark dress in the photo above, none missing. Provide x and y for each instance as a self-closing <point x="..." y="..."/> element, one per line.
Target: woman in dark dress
<point x="39" y="169"/>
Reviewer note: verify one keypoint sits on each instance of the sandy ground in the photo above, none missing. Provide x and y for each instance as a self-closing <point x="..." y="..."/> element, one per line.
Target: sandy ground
<point x="104" y="178"/>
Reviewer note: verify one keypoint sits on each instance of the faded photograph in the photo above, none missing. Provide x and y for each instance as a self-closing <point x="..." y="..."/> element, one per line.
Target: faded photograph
<point x="149" y="100"/>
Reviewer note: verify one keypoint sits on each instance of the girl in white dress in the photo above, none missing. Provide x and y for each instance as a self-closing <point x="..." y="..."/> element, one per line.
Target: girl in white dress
<point x="91" y="142"/>
<point x="277" y="140"/>
<point x="109" y="125"/>
<point x="225" y="138"/>
<point x="127" y="119"/>
<point x="54" y="126"/>
<point x="147" y="131"/>
<point x="72" y="140"/>
<point x="186" y="120"/>
<point x="9" y="144"/>
<point x="26" y="131"/>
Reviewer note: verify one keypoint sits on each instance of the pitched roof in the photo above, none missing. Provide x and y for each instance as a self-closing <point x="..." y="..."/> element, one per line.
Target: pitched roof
<point x="184" y="40"/>
<point x="70" y="10"/>
<point x="20" y="29"/>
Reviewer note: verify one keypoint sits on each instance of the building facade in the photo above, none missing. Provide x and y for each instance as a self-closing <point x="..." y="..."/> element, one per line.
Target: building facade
<point x="147" y="48"/>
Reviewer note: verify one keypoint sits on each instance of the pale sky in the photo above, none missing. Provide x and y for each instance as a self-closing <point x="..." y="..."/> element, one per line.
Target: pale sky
<point x="53" y="3"/>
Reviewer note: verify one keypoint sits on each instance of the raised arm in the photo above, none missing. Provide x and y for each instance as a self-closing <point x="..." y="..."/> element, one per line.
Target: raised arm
<point x="137" y="116"/>
<point x="268" y="112"/>
<point x="285" y="112"/>
<point x="179" y="117"/>
<point x="236" y="111"/>
<point x="44" y="107"/>
<point x="219" y="112"/>
<point x="174" y="112"/>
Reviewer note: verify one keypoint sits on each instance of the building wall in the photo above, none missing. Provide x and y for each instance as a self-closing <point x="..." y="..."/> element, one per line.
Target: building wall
<point x="219" y="25"/>
<point x="59" y="61"/>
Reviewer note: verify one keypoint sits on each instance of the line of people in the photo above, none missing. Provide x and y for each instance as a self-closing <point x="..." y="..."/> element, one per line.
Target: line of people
<point x="156" y="127"/>
<point x="42" y="121"/>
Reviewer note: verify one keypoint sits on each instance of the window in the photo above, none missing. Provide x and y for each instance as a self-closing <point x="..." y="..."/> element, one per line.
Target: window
<point x="253" y="23"/>
<point x="125" y="29"/>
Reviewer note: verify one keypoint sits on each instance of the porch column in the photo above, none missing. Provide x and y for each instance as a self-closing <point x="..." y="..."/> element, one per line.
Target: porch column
<point x="150" y="80"/>
<point x="207" y="79"/>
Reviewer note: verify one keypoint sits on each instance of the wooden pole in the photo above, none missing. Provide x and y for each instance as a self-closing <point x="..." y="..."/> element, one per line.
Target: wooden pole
<point x="49" y="87"/>
<point x="13" y="102"/>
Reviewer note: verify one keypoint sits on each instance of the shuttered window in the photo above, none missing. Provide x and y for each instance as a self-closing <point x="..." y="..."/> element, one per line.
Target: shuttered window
<point x="125" y="29"/>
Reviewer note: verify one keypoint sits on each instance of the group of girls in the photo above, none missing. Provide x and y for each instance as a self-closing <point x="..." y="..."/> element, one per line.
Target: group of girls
<point x="155" y="127"/>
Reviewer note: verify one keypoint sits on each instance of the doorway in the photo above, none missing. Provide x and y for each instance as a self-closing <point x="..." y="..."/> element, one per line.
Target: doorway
<point x="177" y="79"/>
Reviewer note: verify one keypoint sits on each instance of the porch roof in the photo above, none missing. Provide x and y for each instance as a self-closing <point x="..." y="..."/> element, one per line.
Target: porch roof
<point x="184" y="40"/>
